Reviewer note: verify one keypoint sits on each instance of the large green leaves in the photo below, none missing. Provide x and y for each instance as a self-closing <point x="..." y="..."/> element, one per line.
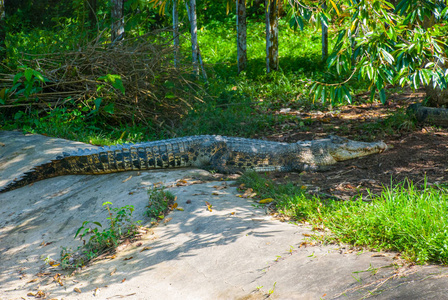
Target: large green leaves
<point x="381" y="44"/>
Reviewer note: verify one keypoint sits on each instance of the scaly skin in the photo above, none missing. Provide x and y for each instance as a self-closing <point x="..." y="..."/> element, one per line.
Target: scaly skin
<point x="223" y="154"/>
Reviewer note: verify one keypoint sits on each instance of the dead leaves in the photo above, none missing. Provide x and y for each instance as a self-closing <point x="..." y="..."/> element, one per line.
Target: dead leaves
<point x="248" y="193"/>
<point x="38" y="294"/>
<point x="209" y="206"/>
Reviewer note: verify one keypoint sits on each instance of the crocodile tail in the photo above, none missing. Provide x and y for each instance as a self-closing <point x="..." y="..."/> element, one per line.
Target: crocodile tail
<point x="107" y="160"/>
<point x="44" y="171"/>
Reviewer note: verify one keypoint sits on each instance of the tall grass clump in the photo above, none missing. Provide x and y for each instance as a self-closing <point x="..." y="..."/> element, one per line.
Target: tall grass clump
<point x="403" y="218"/>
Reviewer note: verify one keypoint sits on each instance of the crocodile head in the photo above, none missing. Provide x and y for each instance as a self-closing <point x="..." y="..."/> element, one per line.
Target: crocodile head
<point x="343" y="149"/>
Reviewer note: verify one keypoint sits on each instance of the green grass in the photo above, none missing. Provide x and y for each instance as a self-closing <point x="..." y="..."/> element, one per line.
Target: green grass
<point x="403" y="218"/>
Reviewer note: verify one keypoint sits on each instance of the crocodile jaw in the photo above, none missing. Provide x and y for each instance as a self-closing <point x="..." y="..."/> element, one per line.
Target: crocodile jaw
<point x="343" y="149"/>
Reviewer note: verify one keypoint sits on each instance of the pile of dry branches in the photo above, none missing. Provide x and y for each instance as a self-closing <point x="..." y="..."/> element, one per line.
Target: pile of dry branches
<point x="155" y="91"/>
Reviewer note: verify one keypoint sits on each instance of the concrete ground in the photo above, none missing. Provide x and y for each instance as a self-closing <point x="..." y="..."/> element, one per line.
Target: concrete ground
<point x="235" y="251"/>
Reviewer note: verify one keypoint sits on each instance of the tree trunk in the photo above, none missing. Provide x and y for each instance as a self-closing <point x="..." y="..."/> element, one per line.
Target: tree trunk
<point x="324" y="35"/>
<point x="194" y="36"/>
<point x="194" y="39"/>
<point x="241" y="34"/>
<point x="176" y="33"/>
<point x="271" y="35"/>
<point x="117" y="16"/>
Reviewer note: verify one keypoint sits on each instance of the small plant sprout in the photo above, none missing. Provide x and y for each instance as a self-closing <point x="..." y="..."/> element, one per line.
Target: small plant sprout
<point x="271" y="291"/>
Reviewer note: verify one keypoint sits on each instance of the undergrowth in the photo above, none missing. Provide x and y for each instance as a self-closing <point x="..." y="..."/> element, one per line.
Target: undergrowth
<point x="402" y="218"/>
<point x="97" y="241"/>
<point x="160" y="203"/>
<point x="239" y="105"/>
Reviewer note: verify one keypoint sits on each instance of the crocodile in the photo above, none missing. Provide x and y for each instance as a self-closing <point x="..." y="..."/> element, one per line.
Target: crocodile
<point x="220" y="153"/>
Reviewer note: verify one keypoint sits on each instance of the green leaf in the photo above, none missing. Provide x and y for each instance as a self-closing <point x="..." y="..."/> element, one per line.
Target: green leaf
<point x="347" y="94"/>
<point x="98" y="224"/>
<point x="97" y="102"/>
<point x="28" y="74"/>
<point x="383" y="96"/>
<point x="115" y="81"/>
<point x="78" y="231"/>
<point x="38" y="76"/>
<point x="17" y="77"/>
<point x="318" y="92"/>
<point x="387" y="56"/>
<point x="323" y="94"/>
<point x="372" y="93"/>
<point x="18" y="115"/>
<point x="109" y="108"/>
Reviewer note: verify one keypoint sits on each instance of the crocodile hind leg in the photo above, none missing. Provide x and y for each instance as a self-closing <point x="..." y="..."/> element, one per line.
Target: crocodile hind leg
<point x="222" y="159"/>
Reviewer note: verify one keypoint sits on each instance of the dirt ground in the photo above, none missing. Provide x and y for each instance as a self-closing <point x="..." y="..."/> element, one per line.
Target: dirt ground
<point x="412" y="154"/>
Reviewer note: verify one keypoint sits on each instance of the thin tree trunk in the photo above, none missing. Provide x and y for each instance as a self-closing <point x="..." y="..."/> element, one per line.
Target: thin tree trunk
<point x="191" y="11"/>
<point x="194" y="36"/>
<point x="271" y="35"/>
<point x="117" y="16"/>
<point x="324" y="35"/>
<point x="175" y="33"/>
<point x="241" y="34"/>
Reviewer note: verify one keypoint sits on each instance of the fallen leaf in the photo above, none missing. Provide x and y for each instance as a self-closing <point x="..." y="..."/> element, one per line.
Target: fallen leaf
<point x="209" y="206"/>
<point x="127" y="179"/>
<point x="113" y="272"/>
<point x="124" y="279"/>
<point x="181" y="182"/>
<point x="188" y="201"/>
<point x="379" y="255"/>
<point x="146" y="249"/>
<point x="232" y="213"/>
<point x="128" y="258"/>
<point x="220" y="187"/>
<point x="265" y="201"/>
<point x="30" y="294"/>
<point x="167" y="220"/>
<point x="57" y="278"/>
<point x="306" y="234"/>
<point x="77" y="290"/>
<point x="32" y="280"/>
<point x="249" y="193"/>
<point x="179" y="208"/>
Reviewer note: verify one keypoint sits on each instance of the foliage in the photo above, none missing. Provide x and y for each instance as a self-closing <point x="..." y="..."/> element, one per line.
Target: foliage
<point x="160" y="202"/>
<point x="98" y="241"/>
<point x="402" y="218"/>
<point x="380" y="44"/>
